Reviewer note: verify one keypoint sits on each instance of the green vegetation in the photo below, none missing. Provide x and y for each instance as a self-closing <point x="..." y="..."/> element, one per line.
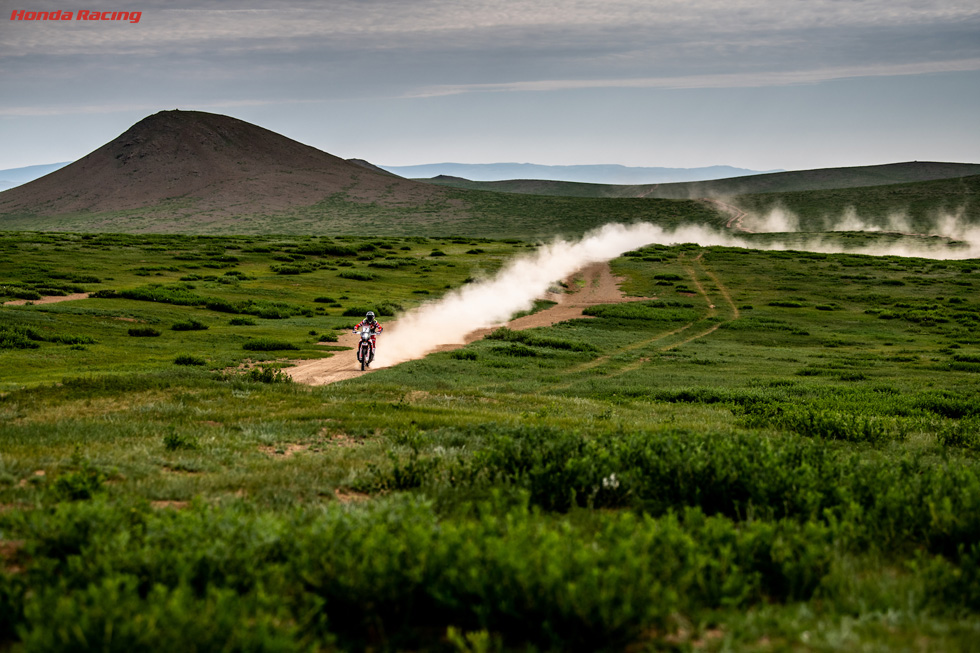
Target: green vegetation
<point x="771" y="451"/>
<point x="458" y="212"/>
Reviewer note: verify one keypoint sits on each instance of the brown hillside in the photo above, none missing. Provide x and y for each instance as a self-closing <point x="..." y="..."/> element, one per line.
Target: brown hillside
<point x="208" y="163"/>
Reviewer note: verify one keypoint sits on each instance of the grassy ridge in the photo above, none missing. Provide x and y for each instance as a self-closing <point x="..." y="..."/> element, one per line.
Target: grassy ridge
<point x="459" y="213"/>
<point x="780" y="182"/>
<point x="780" y="451"/>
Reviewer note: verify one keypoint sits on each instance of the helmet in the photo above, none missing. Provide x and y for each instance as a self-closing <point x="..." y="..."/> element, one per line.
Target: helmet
<point x="370" y="316"/>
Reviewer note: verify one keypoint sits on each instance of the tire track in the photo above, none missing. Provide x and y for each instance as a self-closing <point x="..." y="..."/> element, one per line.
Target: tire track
<point x="692" y="268"/>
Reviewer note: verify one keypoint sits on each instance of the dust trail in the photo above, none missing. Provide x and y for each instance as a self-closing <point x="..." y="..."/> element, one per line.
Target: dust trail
<point x="515" y="287"/>
<point x="950" y="225"/>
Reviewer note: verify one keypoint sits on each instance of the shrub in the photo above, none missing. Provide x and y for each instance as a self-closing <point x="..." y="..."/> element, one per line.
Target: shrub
<point x="241" y="321"/>
<point x="78" y="485"/>
<point x="325" y="300"/>
<point x="73" y="340"/>
<point x="328" y="337"/>
<point x="220" y="305"/>
<point x="787" y="304"/>
<point x="174" y="441"/>
<point x="356" y="311"/>
<point x="264" y="344"/>
<point x="143" y="332"/>
<point x="270" y="374"/>
<point x="515" y="349"/>
<point x="463" y="355"/>
<point x="189" y="325"/>
<point x="17" y="337"/>
<point x="356" y="276"/>
<point x="187" y="359"/>
<point x="288" y="269"/>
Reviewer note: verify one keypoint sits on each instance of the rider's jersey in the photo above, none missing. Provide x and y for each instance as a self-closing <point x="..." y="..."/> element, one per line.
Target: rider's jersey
<point x="374" y="326"/>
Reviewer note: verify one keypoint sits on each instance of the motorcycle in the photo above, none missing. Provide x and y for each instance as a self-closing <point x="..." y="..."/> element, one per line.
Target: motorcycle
<point x="365" y="348"/>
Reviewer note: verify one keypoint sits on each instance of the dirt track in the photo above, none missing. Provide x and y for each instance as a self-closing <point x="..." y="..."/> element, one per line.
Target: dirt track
<point x="51" y="299"/>
<point x="592" y="285"/>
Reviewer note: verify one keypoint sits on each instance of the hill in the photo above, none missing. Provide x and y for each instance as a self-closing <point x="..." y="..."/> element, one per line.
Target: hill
<point x="202" y="163"/>
<point x="202" y="173"/>
<point x="799" y="180"/>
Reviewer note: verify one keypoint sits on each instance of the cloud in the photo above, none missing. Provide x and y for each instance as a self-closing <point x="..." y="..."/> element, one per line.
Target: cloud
<point x="730" y="80"/>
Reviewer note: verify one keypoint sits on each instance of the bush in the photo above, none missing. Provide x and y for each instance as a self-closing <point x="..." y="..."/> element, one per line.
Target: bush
<point x="189" y="325"/>
<point x="78" y="485"/>
<point x="356" y="276"/>
<point x="328" y="337"/>
<point x="143" y="332"/>
<point x="267" y="374"/>
<point x="187" y="359"/>
<point x="787" y="304"/>
<point x="463" y="355"/>
<point x="17" y="337"/>
<point x="264" y="344"/>
<point x="241" y="321"/>
<point x="73" y="340"/>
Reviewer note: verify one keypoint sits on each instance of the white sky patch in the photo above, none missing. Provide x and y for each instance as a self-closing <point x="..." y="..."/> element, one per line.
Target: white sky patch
<point x="734" y="80"/>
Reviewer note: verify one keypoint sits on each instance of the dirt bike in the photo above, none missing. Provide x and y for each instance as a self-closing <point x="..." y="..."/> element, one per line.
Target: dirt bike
<point x="365" y="348"/>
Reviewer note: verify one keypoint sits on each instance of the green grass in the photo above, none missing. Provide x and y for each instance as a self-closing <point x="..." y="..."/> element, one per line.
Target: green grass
<point x="459" y="213"/>
<point x="741" y="469"/>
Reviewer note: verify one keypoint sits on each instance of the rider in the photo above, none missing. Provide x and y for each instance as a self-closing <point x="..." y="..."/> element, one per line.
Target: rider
<point x="372" y="324"/>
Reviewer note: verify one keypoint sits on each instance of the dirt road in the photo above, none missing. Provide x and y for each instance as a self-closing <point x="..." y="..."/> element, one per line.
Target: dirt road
<point x="592" y="285"/>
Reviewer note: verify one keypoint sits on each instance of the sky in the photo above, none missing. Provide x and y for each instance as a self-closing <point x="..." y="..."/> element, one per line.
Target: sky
<point x="758" y="84"/>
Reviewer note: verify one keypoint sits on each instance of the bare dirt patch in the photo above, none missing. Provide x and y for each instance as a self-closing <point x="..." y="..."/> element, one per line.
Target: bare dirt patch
<point x="9" y="555"/>
<point x="50" y="299"/>
<point x="284" y="451"/>
<point x="350" y="496"/>
<point x="171" y="505"/>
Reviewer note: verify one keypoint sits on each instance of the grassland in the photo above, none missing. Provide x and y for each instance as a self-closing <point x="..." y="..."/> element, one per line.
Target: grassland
<point x="456" y="213"/>
<point x="779" y="452"/>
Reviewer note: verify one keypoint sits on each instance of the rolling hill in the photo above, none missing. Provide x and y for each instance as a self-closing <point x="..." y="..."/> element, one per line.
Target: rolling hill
<point x="794" y="181"/>
<point x="205" y="163"/>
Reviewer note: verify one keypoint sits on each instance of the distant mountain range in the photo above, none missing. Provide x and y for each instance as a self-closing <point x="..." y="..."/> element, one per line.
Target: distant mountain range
<point x="591" y="174"/>
<point x="16" y="176"/>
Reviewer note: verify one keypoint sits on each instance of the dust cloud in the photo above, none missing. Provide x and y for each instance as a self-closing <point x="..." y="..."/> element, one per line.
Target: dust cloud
<point x="514" y="288"/>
